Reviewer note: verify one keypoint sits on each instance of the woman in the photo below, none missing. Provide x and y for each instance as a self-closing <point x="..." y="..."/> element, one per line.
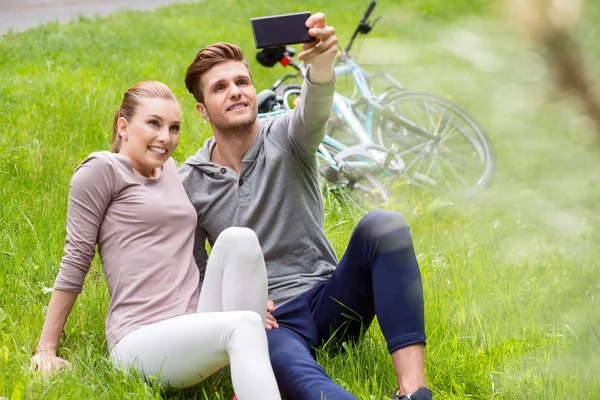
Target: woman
<point x="131" y="204"/>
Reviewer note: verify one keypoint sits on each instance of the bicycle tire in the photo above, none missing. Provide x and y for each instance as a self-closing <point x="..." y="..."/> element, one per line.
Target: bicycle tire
<point x="461" y="122"/>
<point x="367" y="184"/>
<point x="285" y="91"/>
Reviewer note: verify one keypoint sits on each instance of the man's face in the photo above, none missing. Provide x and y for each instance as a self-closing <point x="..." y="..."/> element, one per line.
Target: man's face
<point x="229" y="98"/>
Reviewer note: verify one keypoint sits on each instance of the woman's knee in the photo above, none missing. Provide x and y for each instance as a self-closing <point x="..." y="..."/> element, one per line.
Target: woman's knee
<point x="238" y="234"/>
<point x="247" y="328"/>
<point x="241" y="241"/>
<point x="251" y="319"/>
<point x="246" y="321"/>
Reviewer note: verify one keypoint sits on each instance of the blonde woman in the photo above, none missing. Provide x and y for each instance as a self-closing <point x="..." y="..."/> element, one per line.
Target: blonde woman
<point x="131" y="204"/>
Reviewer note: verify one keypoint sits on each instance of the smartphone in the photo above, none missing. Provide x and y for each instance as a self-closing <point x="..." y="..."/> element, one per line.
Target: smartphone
<point x="281" y="30"/>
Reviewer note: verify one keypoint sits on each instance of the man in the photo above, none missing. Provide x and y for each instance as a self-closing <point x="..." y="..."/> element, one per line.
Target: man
<point x="262" y="174"/>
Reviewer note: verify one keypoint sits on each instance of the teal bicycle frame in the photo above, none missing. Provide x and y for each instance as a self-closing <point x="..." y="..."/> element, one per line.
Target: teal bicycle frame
<point x="371" y="155"/>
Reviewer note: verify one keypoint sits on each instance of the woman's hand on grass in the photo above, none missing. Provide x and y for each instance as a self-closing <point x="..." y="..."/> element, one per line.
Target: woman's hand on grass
<point x="46" y="362"/>
<point x="44" y="358"/>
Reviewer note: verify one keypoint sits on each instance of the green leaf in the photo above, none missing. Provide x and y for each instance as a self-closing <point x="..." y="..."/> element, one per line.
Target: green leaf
<point x="19" y="389"/>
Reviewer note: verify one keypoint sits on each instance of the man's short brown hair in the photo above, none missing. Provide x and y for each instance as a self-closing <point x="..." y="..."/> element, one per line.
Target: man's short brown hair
<point x="207" y="58"/>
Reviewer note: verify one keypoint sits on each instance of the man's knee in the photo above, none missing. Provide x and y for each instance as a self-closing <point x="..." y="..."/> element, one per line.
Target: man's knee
<point x="389" y="227"/>
<point x="379" y="219"/>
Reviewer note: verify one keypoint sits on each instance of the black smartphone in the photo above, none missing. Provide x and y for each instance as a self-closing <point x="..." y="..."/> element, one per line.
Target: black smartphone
<point x="281" y="30"/>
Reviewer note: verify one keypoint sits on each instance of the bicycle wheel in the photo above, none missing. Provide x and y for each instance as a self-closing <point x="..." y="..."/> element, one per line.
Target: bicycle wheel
<point x="289" y="95"/>
<point x="363" y="185"/>
<point x="458" y="156"/>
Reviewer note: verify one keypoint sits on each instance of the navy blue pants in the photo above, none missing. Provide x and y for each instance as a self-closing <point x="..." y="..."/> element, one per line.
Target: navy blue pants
<point x="378" y="275"/>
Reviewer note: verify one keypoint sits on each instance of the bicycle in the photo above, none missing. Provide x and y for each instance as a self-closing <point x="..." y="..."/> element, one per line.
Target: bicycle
<point x="353" y="168"/>
<point x="397" y="130"/>
<point x="339" y="170"/>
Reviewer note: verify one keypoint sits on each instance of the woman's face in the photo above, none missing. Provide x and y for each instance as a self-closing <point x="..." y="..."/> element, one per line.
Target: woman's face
<point x="151" y="135"/>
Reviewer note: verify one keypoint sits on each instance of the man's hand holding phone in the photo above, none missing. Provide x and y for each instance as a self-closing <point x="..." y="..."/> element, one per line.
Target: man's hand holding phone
<point x="320" y="54"/>
<point x="318" y="40"/>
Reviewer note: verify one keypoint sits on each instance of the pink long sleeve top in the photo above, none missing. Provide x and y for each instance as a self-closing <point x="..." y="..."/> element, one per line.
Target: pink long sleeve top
<point x="144" y="229"/>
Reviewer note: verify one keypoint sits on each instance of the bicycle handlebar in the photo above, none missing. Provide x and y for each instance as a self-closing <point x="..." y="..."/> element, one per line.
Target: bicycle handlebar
<point x="363" y="26"/>
<point x="369" y="11"/>
<point x="271" y="56"/>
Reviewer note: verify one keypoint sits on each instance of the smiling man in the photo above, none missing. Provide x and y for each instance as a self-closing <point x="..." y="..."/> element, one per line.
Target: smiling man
<point x="263" y="174"/>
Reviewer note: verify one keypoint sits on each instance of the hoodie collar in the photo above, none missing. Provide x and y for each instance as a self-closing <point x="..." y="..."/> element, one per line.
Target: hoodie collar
<point x="202" y="158"/>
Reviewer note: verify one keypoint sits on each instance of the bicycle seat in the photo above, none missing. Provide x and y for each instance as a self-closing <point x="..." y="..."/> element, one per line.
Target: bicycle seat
<point x="270" y="56"/>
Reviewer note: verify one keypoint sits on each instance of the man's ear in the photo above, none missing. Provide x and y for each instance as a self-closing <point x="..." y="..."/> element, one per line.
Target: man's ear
<point x="202" y="111"/>
<point x="122" y="126"/>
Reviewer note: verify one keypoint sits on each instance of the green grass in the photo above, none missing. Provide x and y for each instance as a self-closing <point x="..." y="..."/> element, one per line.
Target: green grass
<point x="510" y="277"/>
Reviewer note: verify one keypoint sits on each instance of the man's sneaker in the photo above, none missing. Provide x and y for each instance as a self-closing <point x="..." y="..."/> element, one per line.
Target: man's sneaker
<point x="420" y="394"/>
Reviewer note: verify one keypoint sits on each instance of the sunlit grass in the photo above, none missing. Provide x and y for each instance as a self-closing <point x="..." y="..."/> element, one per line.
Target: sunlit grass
<point x="510" y="276"/>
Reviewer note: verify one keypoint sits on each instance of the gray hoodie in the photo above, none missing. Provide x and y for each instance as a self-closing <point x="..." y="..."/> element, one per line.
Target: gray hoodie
<point x="276" y="194"/>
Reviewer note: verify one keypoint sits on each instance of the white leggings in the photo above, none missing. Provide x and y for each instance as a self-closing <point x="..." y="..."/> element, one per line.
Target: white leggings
<point x="228" y="328"/>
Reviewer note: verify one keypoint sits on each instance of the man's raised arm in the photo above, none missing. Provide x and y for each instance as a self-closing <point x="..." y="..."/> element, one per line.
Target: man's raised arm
<point x="307" y="125"/>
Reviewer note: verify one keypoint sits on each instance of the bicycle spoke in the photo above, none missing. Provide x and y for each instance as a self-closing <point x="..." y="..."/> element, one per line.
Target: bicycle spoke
<point x="454" y="172"/>
<point x="425" y="114"/>
<point x="418" y="156"/>
<point x="444" y="178"/>
<point x="448" y="123"/>
<point x="437" y="127"/>
<point x="430" y="115"/>
<point x="459" y="130"/>
<point x="421" y="160"/>
<point x="472" y="143"/>
<point x="465" y="169"/>
<point x="428" y="173"/>
<point x="417" y="118"/>
<point x="446" y="138"/>
<point x="466" y="149"/>
<point x="431" y="111"/>
<point x="411" y="115"/>
<point x="413" y="149"/>
<point x="472" y="160"/>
